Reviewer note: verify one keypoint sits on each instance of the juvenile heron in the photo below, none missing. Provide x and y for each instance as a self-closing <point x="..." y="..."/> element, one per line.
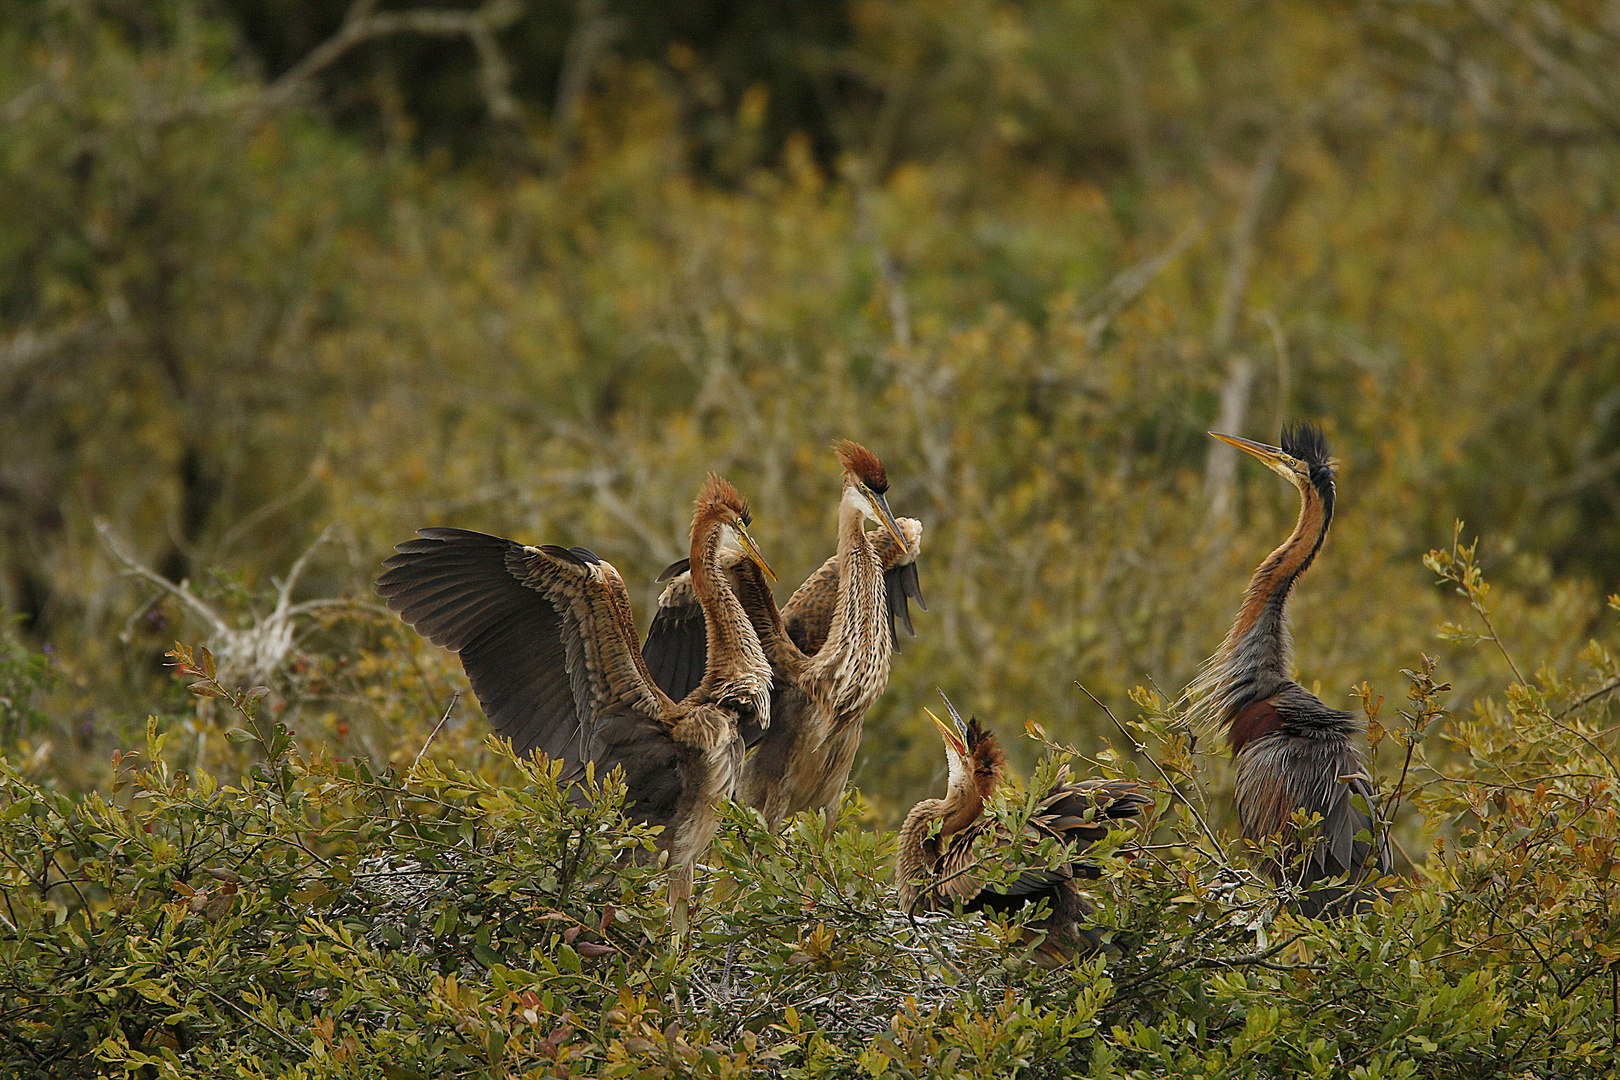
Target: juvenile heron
<point x="829" y="649"/>
<point x="1292" y="752"/>
<point x="939" y="847"/>
<point x="546" y="637"/>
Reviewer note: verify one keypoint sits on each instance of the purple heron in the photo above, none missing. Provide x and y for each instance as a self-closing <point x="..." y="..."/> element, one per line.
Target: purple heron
<point x="940" y="846"/>
<point x="829" y="649"/>
<point x="546" y="637"/>
<point x="1292" y="752"/>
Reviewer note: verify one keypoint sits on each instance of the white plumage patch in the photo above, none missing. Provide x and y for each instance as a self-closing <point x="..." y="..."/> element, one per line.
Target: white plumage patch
<point x="854" y="497"/>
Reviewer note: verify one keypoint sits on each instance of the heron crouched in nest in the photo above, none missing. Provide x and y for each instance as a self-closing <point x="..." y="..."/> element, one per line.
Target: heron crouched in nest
<point x="548" y="642"/>
<point x="941" y="844"/>
<point x="1294" y="754"/>
<point x="829" y="649"/>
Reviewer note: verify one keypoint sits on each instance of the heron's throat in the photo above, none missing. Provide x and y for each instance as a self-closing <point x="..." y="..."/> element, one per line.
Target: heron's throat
<point x="962" y="808"/>
<point x="1274" y="580"/>
<point x="733" y="646"/>
<point x="856" y="655"/>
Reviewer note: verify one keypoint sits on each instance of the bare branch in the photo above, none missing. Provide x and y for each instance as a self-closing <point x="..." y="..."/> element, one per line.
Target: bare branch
<point x="448" y="709"/>
<point x="363" y="23"/>
<point x="1125" y="287"/>
<point x="1220" y="470"/>
<point x="594" y="30"/>
<point x="181" y="591"/>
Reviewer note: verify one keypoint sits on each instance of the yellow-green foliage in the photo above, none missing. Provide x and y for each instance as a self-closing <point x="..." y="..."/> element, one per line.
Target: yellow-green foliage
<point x="1029" y="250"/>
<point x="239" y="330"/>
<point x="319" y="919"/>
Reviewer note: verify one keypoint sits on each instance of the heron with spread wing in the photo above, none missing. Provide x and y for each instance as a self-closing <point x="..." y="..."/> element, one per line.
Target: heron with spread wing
<point x="942" y="842"/>
<point x="1294" y="754"/>
<point x="829" y="649"/>
<point x="548" y="642"/>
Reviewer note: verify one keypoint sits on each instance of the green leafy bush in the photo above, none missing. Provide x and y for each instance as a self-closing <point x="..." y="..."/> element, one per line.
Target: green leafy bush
<point x="318" y="919"/>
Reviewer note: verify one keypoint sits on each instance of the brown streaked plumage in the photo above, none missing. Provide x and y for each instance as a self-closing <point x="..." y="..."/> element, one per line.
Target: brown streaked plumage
<point x="941" y="843"/>
<point x="824" y="680"/>
<point x="548" y="642"/>
<point x="808" y="614"/>
<point x="1292" y="752"/>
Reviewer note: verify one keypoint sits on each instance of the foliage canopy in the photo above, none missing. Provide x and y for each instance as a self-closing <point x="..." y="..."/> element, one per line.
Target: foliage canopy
<point x="261" y="318"/>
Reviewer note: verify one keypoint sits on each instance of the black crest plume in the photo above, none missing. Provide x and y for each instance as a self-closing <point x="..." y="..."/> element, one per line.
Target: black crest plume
<point x="1305" y="442"/>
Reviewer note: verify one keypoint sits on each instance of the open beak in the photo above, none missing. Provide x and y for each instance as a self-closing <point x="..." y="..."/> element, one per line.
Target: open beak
<point x="1278" y="462"/>
<point x="956" y="717"/>
<point x="885" y="515"/>
<point x="953" y="741"/>
<point x="751" y="549"/>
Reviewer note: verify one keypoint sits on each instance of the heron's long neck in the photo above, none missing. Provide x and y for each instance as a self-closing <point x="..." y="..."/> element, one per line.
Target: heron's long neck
<point x="760" y="603"/>
<point x="1254" y="660"/>
<point x="733" y="647"/>
<point x="858" y="644"/>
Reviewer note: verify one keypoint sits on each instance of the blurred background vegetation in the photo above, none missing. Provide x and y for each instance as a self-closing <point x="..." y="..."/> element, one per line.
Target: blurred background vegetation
<point x="281" y="281"/>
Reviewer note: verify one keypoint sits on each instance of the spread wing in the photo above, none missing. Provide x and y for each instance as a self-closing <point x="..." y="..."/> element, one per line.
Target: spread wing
<point x="677" y="647"/>
<point x="546" y="637"/>
<point x="808" y="614"/>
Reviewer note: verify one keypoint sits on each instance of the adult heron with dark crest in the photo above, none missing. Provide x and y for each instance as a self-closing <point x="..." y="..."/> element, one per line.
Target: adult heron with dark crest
<point x="1293" y="753"/>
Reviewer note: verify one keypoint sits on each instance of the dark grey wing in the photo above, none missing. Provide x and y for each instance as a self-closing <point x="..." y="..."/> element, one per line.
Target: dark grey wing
<point x="902" y="585"/>
<point x="544" y="635"/>
<point x="677" y="645"/>
<point x="900" y="574"/>
<point x="454" y="587"/>
<point x="1078" y="814"/>
<point x="1326" y="753"/>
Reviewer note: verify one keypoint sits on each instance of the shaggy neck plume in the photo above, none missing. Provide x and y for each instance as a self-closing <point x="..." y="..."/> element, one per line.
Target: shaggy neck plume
<point x="858" y="644"/>
<point x="733" y="647"/>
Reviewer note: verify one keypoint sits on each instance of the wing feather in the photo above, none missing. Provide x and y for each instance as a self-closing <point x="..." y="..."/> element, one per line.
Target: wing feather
<point x="1076" y="814"/>
<point x="544" y="635"/>
<point x="1319" y="749"/>
<point x="902" y="585"/>
<point x="677" y="646"/>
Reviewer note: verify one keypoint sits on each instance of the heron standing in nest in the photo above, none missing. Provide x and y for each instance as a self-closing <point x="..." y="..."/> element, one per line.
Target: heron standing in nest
<point x="1294" y="754"/>
<point x="829" y="649"/>
<point x="548" y="642"/>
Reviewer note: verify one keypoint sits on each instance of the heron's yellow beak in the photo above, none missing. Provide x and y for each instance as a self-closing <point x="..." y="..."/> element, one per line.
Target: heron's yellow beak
<point x="953" y="740"/>
<point x="1285" y="465"/>
<point x="885" y="515"/>
<point x="751" y="549"/>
